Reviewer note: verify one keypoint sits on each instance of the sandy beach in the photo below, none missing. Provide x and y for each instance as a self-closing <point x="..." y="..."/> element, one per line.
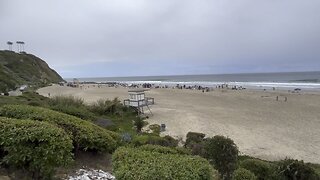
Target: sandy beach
<point x="261" y="126"/>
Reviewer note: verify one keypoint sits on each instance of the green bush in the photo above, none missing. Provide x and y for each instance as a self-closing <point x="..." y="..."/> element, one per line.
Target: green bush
<point x="139" y="123"/>
<point x="155" y="129"/>
<point x="195" y="142"/>
<point x="263" y="170"/>
<point x="170" y="141"/>
<point x="296" y="170"/>
<point x="39" y="147"/>
<point x="222" y="152"/>
<point x="243" y="174"/>
<point x="194" y="137"/>
<point x="66" y="101"/>
<point x="107" y="107"/>
<point x="164" y="150"/>
<point x="85" y="135"/>
<point x="132" y="164"/>
<point x="71" y="105"/>
<point x="79" y="112"/>
<point x="155" y="140"/>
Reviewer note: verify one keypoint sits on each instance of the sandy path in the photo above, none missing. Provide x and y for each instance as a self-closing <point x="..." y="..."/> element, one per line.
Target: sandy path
<point x="260" y="126"/>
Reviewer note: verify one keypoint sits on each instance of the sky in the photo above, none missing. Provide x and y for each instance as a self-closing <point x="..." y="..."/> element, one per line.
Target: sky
<point x="110" y="38"/>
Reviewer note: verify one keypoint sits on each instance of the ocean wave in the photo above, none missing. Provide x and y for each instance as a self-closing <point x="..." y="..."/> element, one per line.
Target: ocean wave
<point x="259" y="85"/>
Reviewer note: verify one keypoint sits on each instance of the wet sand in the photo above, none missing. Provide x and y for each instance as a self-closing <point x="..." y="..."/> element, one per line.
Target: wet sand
<point x="261" y="126"/>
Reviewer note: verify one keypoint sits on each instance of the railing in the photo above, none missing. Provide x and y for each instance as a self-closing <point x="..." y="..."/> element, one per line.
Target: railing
<point x="138" y="103"/>
<point x="149" y="100"/>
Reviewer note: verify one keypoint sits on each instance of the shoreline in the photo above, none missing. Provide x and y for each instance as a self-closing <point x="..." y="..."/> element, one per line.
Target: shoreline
<point x="285" y="86"/>
<point x="261" y="126"/>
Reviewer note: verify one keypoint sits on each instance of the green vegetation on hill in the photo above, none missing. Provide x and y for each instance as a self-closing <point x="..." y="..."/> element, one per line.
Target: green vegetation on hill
<point x="39" y="147"/>
<point x="85" y="135"/>
<point x="222" y="153"/>
<point x="149" y="163"/>
<point x="18" y="69"/>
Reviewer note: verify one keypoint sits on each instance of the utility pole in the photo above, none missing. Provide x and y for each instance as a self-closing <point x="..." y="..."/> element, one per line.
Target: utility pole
<point x="10" y="45"/>
<point x="18" y="45"/>
<point x="22" y="45"/>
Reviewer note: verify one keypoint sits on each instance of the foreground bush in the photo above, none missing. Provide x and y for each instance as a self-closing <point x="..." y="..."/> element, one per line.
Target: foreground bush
<point x="39" y="147"/>
<point x="164" y="150"/>
<point x="222" y="152"/>
<point x="139" y="123"/>
<point x="155" y="140"/>
<point x="194" y="137"/>
<point x="107" y="107"/>
<point x="85" y="135"/>
<point x="195" y="142"/>
<point x="132" y="164"/>
<point x="263" y="170"/>
<point x="297" y="170"/>
<point x="155" y="128"/>
<point x="243" y="174"/>
<point x="66" y="101"/>
<point x="79" y="112"/>
<point x="71" y="105"/>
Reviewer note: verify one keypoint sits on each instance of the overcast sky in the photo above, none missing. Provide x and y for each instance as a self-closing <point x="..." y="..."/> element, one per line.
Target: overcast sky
<point x="100" y="38"/>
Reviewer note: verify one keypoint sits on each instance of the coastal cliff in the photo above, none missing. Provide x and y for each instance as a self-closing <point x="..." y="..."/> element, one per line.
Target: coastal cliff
<point x="18" y="69"/>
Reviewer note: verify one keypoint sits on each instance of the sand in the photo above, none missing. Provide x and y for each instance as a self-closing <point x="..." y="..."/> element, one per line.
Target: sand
<point x="261" y="126"/>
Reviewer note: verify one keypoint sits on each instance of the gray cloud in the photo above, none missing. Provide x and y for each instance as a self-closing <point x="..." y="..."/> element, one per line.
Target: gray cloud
<point x="183" y="36"/>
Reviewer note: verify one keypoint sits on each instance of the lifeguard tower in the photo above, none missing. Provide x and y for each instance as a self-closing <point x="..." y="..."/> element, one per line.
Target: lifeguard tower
<point x="76" y="82"/>
<point x="138" y="100"/>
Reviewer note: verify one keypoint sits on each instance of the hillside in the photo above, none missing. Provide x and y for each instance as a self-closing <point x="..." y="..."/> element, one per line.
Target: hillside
<point x="19" y="69"/>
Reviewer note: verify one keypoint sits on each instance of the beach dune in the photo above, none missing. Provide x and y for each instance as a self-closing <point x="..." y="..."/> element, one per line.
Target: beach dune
<point x="260" y="125"/>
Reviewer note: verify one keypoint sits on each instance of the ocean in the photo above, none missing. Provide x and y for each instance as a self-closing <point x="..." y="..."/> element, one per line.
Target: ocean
<point x="283" y="80"/>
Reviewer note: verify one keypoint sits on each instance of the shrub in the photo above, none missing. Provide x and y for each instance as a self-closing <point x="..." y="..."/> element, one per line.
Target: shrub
<point x="243" y="174"/>
<point x="222" y="152"/>
<point x="71" y="105"/>
<point x="79" y="112"/>
<point x="155" y="140"/>
<point x="164" y="150"/>
<point x="107" y="107"/>
<point x="194" y="137"/>
<point x="195" y="142"/>
<point x="139" y="123"/>
<point x="263" y="170"/>
<point x="297" y="170"/>
<point x="36" y="146"/>
<point x="170" y="141"/>
<point x="132" y="164"/>
<point x="155" y="129"/>
<point x="66" y="101"/>
<point x="34" y="103"/>
<point x="85" y="135"/>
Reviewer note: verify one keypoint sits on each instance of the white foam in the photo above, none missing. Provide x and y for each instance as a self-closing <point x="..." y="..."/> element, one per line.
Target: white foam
<point x="253" y="85"/>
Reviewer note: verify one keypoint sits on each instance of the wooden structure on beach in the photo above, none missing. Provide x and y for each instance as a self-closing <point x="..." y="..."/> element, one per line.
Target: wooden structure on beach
<point x="138" y="100"/>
